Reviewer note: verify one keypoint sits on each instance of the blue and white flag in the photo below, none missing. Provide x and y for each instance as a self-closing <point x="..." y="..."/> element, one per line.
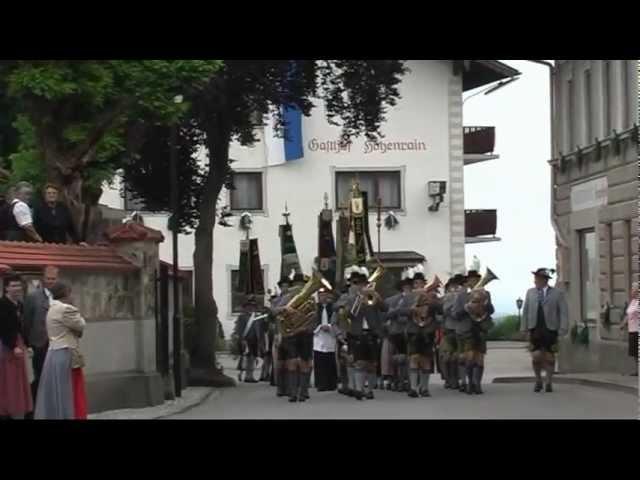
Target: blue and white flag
<point x="280" y="150"/>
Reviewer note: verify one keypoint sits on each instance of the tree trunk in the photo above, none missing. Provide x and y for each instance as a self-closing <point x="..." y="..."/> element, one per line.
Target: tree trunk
<point x="61" y="173"/>
<point x="203" y="357"/>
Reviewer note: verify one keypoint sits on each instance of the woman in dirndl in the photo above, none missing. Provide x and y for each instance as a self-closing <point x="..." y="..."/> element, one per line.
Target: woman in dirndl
<point x="15" y="390"/>
<point x="61" y="392"/>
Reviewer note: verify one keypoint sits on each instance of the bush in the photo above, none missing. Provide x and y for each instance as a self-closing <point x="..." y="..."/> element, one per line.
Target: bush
<point x="505" y="328"/>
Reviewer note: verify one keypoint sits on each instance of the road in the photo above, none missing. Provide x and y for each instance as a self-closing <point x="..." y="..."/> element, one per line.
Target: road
<point x="500" y="401"/>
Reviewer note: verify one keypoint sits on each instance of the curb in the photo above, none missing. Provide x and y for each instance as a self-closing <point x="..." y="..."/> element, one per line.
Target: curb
<point x="186" y="408"/>
<point x="573" y="381"/>
<point x="162" y="415"/>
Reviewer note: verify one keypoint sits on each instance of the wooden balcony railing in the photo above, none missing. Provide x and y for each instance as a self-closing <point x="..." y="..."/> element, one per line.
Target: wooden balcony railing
<point x="480" y="223"/>
<point x="479" y="140"/>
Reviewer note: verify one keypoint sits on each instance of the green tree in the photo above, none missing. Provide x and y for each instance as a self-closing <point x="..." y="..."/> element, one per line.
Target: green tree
<point x="356" y="95"/>
<point x="76" y="119"/>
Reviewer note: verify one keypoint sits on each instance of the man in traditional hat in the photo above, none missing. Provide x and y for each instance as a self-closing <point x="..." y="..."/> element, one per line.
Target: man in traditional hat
<point x="249" y="331"/>
<point x="279" y="352"/>
<point x="364" y="333"/>
<point x="421" y="338"/>
<point x="345" y="342"/>
<point x="398" y="317"/>
<point x="477" y="322"/>
<point x="449" y="346"/>
<point x="465" y="331"/>
<point x="299" y="352"/>
<point x="546" y="317"/>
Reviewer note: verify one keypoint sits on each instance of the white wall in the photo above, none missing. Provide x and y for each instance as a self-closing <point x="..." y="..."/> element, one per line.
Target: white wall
<point x="422" y="114"/>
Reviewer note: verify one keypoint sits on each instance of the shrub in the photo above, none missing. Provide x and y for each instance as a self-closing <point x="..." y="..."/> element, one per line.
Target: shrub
<point x="505" y="328"/>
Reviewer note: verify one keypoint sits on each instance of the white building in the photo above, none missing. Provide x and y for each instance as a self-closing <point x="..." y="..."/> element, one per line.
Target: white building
<point x="424" y="142"/>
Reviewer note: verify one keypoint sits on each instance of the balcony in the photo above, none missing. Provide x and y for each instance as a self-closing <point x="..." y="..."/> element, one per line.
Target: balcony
<point x="480" y="226"/>
<point x="479" y="143"/>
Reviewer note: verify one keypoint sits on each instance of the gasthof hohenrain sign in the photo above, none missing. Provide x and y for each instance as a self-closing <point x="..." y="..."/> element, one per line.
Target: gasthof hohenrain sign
<point x="337" y="146"/>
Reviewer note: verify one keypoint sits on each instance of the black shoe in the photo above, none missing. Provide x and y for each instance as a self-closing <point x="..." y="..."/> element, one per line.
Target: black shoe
<point x="369" y="396"/>
<point x="538" y="387"/>
<point x="425" y="393"/>
<point x="413" y="394"/>
<point x="293" y="399"/>
<point x="358" y="395"/>
<point x="250" y="380"/>
<point x="470" y="389"/>
<point x="478" y="390"/>
<point x="303" y="399"/>
<point x="548" y="388"/>
<point x="280" y="394"/>
<point x="462" y="388"/>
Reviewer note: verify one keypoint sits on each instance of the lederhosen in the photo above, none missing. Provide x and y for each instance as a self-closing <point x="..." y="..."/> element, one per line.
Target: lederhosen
<point x="449" y="343"/>
<point x="421" y="340"/>
<point x="299" y="346"/>
<point x="541" y="338"/>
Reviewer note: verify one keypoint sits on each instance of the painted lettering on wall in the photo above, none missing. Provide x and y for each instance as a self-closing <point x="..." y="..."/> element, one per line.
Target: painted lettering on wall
<point x="336" y="146"/>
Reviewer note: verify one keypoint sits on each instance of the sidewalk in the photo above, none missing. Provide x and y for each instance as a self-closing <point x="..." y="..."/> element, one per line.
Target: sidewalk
<point x="191" y="397"/>
<point x="609" y="381"/>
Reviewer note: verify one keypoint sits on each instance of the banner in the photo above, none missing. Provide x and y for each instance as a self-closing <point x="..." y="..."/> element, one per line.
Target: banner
<point x="290" y="260"/>
<point x="251" y="279"/>
<point x="326" y="247"/>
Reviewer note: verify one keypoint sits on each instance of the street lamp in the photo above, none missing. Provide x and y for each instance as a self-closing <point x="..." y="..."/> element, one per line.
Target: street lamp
<point x="519" y="303"/>
<point x="175" y="207"/>
<point x="493" y="88"/>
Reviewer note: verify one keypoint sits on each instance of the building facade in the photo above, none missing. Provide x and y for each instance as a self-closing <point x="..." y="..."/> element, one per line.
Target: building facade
<point x="594" y="174"/>
<point x="424" y="142"/>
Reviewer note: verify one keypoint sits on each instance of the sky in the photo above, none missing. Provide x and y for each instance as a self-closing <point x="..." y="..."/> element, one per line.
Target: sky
<point x="516" y="184"/>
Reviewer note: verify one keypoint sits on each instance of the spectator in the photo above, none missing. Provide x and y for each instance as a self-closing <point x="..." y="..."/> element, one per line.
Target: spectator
<point x="61" y="393"/>
<point x="36" y="306"/>
<point x="52" y="218"/>
<point x="15" y="394"/>
<point x="631" y="321"/>
<point x="19" y="220"/>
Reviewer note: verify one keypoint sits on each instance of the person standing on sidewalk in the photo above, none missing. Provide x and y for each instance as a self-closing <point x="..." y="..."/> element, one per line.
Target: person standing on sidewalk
<point x="36" y="306"/>
<point x="15" y="393"/>
<point x="61" y="393"/>
<point x="631" y="321"/>
<point x="546" y="317"/>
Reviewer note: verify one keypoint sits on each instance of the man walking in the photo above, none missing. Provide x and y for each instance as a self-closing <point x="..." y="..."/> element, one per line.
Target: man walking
<point x="546" y="317"/>
<point x="36" y="306"/>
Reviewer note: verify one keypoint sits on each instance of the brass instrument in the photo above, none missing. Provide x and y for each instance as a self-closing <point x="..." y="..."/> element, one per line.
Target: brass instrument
<point x="304" y="306"/>
<point x="371" y="284"/>
<point x="435" y="284"/>
<point x="488" y="277"/>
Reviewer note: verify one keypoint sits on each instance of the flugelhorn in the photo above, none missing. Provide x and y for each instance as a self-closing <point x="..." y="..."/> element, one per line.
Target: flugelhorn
<point x="371" y="284"/>
<point x="435" y="284"/>
<point x="488" y="277"/>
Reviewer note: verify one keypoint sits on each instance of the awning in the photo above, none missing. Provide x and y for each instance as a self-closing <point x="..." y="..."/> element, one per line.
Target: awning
<point x="477" y="73"/>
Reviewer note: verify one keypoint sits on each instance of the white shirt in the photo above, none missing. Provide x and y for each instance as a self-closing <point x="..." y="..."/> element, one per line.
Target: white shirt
<point x="324" y="341"/>
<point x="48" y="294"/>
<point x="22" y="213"/>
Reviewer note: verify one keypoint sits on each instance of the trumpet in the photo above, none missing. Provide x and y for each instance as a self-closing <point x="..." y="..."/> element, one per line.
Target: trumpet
<point x="435" y="284"/>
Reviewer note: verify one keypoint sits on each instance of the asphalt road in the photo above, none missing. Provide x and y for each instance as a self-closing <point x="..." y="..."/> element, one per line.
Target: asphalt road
<point x="500" y="401"/>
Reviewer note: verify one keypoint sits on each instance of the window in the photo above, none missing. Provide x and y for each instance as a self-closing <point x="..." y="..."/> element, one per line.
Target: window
<point x="238" y="297"/>
<point x="606" y="97"/>
<point x="587" y="108"/>
<point x="570" y="115"/>
<point x="385" y="185"/>
<point x="589" y="293"/>
<point x="247" y="195"/>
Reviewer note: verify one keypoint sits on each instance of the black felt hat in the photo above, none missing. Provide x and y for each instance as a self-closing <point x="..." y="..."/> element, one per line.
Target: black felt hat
<point x="298" y="278"/>
<point x="544" y="273"/>
<point x="284" y="280"/>
<point x="473" y="274"/>
<point x="419" y="276"/>
<point x="458" y="279"/>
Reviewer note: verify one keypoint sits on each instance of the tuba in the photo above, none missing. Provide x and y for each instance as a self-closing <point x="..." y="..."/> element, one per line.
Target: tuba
<point x="304" y="306"/>
<point x="488" y="277"/>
